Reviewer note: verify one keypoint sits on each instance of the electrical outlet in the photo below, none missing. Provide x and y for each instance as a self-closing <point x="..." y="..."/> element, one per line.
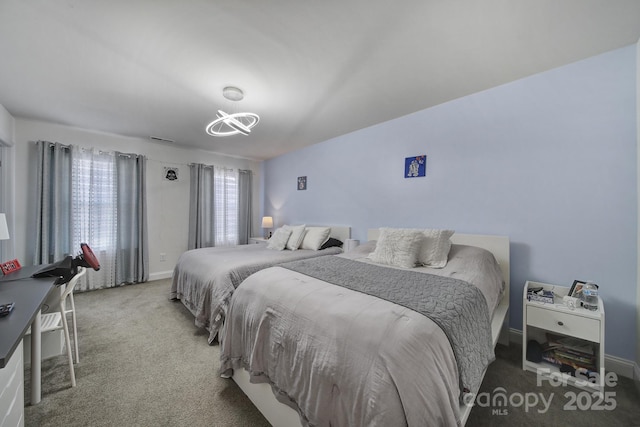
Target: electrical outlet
<point x="163" y="257"/>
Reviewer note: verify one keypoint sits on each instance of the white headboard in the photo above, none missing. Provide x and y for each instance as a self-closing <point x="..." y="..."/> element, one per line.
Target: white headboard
<point x="497" y="245"/>
<point x="340" y="232"/>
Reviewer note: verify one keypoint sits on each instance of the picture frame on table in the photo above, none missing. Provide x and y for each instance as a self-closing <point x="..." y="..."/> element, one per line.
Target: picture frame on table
<point x="576" y="288"/>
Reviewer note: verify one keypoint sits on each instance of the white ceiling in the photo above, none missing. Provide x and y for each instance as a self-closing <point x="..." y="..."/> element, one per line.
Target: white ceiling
<point x="311" y="69"/>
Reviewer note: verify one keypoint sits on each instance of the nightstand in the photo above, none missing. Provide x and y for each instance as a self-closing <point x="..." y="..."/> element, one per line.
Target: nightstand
<point x="258" y="241"/>
<point x="572" y="332"/>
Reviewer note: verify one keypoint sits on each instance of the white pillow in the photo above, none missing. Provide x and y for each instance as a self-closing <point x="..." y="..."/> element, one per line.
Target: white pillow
<point x="315" y="237"/>
<point x="297" y="234"/>
<point x="398" y="247"/>
<point x="279" y="239"/>
<point x="435" y="249"/>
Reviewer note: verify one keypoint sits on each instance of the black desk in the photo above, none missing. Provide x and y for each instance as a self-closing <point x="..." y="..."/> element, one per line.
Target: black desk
<point x="28" y="294"/>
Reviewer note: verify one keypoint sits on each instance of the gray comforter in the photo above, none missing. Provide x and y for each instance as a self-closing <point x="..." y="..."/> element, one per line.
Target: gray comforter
<point x="343" y="358"/>
<point x="457" y="307"/>
<point x="204" y="279"/>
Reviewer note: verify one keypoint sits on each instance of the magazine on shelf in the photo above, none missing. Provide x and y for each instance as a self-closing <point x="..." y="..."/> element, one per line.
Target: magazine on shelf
<point x="570" y="351"/>
<point x="571" y="343"/>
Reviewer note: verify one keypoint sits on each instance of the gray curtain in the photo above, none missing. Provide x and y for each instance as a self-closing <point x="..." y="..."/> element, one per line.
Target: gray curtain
<point x="132" y="252"/>
<point x="53" y="207"/>
<point x="245" y="195"/>
<point x="201" y="207"/>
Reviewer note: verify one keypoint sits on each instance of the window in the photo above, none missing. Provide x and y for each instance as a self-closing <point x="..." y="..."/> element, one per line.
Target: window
<point x="93" y="187"/>
<point x="225" y="206"/>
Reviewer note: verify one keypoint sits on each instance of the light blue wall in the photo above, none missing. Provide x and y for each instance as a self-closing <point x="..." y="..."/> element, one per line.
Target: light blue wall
<point x="549" y="160"/>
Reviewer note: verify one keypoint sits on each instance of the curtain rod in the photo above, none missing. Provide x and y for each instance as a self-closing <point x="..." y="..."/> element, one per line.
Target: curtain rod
<point x="82" y="148"/>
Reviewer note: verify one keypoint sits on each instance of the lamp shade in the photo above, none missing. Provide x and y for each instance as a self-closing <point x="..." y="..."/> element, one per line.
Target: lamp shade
<point x="267" y="222"/>
<point x="4" y="230"/>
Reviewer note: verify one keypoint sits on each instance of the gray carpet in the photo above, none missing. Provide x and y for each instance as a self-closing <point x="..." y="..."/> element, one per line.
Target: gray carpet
<point x="144" y="363"/>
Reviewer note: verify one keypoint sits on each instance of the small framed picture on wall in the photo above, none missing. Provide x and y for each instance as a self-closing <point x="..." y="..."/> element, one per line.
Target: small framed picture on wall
<point x="415" y="167"/>
<point x="302" y="183"/>
<point x="170" y="174"/>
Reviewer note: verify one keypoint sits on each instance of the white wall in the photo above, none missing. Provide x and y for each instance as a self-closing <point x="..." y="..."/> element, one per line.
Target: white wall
<point x="168" y="201"/>
<point x="7" y="124"/>
<point x="637" y="367"/>
<point x="7" y="130"/>
<point x="549" y="160"/>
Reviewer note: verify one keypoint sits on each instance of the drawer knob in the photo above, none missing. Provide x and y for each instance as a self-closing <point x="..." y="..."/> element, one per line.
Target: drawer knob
<point x="560" y="323"/>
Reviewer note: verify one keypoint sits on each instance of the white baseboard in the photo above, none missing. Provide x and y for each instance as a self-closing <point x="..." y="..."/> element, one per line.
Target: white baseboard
<point x="622" y="367"/>
<point x="515" y="336"/>
<point x="161" y="275"/>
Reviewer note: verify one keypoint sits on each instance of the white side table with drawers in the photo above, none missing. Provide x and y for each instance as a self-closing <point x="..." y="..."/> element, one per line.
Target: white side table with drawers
<point x="540" y="318"/>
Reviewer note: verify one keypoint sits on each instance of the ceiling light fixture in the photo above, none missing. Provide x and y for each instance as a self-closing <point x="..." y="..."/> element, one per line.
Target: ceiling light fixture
<point x="235" y="123"/>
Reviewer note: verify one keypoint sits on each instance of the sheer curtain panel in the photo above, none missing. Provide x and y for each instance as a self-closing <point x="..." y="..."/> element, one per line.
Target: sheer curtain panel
<point x="94" y="216"/>
<point x="225" y="205"/>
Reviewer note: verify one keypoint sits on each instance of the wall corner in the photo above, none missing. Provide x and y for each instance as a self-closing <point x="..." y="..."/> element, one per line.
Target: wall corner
<point x="638" y="208"/>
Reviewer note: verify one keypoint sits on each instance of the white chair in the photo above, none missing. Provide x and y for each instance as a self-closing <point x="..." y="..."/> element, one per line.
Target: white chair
<point x="58" y="320"/>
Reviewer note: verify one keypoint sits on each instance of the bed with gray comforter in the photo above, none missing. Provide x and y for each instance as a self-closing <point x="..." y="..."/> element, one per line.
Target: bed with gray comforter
<point x="204" y="279"/>
<point x="346" y="356"/>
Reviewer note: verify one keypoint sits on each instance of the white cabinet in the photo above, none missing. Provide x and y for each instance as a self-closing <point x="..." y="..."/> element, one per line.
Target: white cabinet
<point x="568" y="329"/>
<point x="12" y="391"/>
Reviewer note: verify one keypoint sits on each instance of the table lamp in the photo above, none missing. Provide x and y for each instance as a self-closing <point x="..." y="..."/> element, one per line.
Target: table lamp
<point x="267" y="222"/>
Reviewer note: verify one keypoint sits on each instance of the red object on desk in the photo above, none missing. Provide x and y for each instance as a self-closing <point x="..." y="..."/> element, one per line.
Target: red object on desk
<point x="10" y="266"/>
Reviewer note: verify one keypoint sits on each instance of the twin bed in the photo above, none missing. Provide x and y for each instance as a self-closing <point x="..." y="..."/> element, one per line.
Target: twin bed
<point x="311" y="342"/>
<point x="204" y="279"/>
